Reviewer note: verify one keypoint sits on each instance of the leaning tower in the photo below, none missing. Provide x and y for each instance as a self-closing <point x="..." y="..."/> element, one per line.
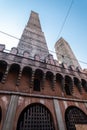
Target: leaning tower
<point x="65" y="54"/>
<point x="33" y="39"/>
<point x="37" y="93"/>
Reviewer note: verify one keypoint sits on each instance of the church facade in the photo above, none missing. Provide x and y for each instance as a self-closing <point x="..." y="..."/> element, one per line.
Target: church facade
<point x="36" y="92"/>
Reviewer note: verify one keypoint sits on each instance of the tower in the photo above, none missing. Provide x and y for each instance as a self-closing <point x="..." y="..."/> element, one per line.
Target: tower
<point x="33" y="39"/>
<point x="65" y="54"/>
<point x="38" y="94"/>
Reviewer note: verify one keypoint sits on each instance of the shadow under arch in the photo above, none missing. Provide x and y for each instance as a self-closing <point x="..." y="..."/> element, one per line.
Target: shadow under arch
<point x="74" y="116"/>
<point x="35" y="117"/>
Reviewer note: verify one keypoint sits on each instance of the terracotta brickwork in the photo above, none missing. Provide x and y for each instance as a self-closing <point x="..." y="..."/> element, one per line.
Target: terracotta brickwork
<point x="65" y="54"/>
<point x="39" y="93"/>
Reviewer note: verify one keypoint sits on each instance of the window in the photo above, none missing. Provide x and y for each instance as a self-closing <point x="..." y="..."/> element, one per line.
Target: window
<point x="68" y="85"/>
<point x="38" y="79"/>
<point x="67" y="89"/>
<point x="36" y="85"/>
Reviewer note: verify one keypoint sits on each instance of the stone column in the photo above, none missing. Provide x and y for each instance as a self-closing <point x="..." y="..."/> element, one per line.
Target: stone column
<point x="19" y="77"/>
<point x="5" y="75"/>
<point x="54" y="82"/>
<point x="32" y="79"/>
<point x="9" y="120"/>
<point x="59" y="117"/>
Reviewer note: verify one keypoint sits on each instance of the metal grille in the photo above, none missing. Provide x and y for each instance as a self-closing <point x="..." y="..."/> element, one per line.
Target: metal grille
<point x="74" y="116"/>
<point x="35" y="117"/>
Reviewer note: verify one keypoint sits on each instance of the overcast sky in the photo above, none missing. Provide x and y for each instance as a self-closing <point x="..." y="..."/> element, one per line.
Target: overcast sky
<point x="14" y="15"/>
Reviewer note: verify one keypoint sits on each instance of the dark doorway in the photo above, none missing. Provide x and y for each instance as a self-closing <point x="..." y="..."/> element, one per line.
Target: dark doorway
<point x="35" y="117"/>
<point x="74" y="116"/>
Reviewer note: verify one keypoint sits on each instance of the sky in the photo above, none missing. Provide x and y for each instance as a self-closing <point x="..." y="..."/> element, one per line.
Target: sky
<point x="14" y="15"/>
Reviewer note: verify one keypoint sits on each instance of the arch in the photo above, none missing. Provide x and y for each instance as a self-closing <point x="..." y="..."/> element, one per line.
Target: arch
<point x="77" y="83"/>
<point x="27" y="71"/>
<point x="35" y="117"/>
<point x="26" y="77"/>
<point x="59" y="77"/>
<point x="38" y="76"/>
<point x="84" y="84"/>
<point x="68" y="85"/>
<point x="13" y="73"/>
<point x="14" y="67"/>
<point x="3" y="66"/>
<point x="49" y="75"/>
<point x="74" y="116"/>
<point x="59" y="80"/>
<point x="49" y="78"/>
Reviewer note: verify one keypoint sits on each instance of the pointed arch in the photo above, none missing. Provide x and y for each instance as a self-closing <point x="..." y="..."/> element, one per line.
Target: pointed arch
<point x="74" y="116"/>
<point x="35" y="117"/>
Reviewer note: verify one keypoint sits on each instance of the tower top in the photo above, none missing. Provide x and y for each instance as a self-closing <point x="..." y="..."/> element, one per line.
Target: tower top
<point x="65" y="54"/>
<point x="33" y="39"/>
<point x="34" y="22"/>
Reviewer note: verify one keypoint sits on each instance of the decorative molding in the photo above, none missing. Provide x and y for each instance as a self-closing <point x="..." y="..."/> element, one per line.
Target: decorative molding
<point x="42" y="96"/>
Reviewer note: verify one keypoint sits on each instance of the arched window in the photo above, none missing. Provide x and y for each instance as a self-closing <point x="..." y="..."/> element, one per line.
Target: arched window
<point x="38" y="76"/>
<point x="49" y="78"/>
<point x="35" y="117"/>
<point x="68" y="85"/>
<point x="36" y="84"/>
<point x="77" y="83"/>
<point x="84" y="84"/>
<point x="1" y="76"/>
<point x="74" y="116"/>
<point x="26" y="77"/>
<point x="60" y="80"/>
<point x="13" y="73"/>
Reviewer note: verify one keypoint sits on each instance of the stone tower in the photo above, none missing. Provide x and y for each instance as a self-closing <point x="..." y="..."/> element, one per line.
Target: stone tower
<point x="65" y="54"/>
<point x="33" y="39"/>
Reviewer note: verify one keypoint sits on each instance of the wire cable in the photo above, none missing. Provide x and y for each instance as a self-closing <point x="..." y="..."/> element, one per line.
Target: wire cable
<point x="41" y="47"/>
<point x="65" y="18"/>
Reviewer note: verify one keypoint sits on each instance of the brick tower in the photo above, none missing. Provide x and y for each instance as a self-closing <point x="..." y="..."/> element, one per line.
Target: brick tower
<point x="32" y="39"/>
<point x="37" y="93"/>
<point x="65" y="54"/>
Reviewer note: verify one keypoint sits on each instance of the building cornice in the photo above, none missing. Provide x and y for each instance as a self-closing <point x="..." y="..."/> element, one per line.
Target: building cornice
<point x="43" y="96"/>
